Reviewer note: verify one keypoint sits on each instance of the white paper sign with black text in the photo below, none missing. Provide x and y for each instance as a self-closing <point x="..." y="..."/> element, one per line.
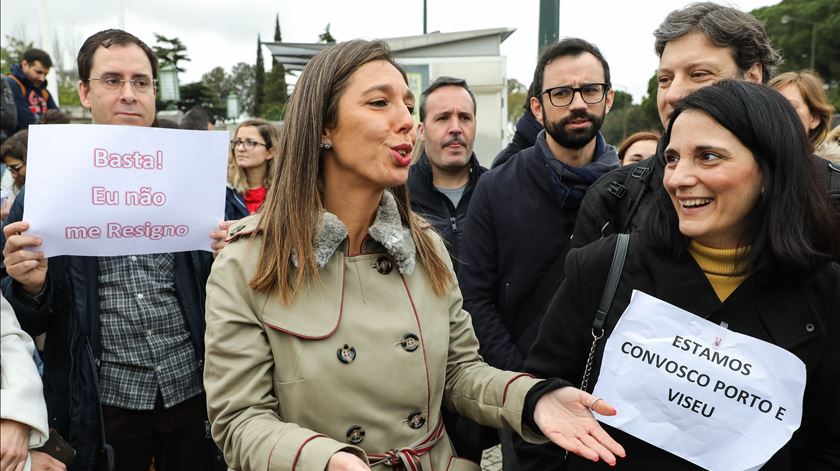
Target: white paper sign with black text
<point x="717" y="398"/>
<point x="120" y="190"/>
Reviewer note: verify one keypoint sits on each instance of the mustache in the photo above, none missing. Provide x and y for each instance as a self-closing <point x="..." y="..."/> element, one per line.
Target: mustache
<point x="455" y="140"/>
<point x="578" y="114"/>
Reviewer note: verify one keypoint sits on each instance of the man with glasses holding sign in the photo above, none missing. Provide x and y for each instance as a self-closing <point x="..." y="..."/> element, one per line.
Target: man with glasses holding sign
<point x="522" y="213"/>
<point x="125" y="334"/>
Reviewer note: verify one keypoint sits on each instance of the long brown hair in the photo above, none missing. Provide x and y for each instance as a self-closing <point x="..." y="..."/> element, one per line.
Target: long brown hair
<point x="271" y="135"/>
<point x="295" y="201"/>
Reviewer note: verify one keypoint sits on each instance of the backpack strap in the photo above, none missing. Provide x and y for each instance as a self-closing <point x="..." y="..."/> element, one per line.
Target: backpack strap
<point x="630" y="193"/>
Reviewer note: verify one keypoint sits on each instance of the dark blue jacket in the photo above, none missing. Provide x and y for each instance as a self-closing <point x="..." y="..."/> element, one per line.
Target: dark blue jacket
<point x="516" y="228"/>
<point x="437" y="208"/>
<point x="31" y="101"/>
<point x="69" y="314"/>
<point x="235" y="208"/>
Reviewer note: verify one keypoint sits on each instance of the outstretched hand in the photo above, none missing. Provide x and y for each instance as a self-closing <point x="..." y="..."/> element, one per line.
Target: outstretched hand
<point x="563" y="416"/>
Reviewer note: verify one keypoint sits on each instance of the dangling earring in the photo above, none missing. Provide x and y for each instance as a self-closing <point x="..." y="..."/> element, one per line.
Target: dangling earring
<point x="325" y="146"/>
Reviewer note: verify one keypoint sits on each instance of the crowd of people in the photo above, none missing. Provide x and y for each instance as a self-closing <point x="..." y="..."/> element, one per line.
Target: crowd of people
<point x="376" y="299"/>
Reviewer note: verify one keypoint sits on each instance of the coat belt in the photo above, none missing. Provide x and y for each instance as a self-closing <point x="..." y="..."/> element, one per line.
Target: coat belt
<point x="408" y="458"/>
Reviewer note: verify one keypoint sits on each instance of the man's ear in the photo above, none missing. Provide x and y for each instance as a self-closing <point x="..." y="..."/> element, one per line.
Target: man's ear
<point x="537" y="110"/>
<point x="610" y="98"/>
<point x="84" y="92"/>
<point x="755" y="73"/>
<point x="421" y="131"/>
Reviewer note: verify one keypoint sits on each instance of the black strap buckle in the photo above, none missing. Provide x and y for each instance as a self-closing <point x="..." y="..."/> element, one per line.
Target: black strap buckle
<point x="640" y="172"/>
<point x="617" y="189"/>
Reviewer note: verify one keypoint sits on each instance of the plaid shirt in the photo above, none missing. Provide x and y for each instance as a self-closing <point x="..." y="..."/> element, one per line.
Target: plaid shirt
<point x="146" y="344"/>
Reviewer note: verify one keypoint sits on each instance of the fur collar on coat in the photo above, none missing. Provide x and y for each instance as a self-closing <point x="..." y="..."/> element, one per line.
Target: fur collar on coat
<point x="387" y="230"/>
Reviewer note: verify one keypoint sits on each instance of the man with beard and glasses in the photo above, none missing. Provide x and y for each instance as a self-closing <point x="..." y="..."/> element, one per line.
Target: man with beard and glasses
<point x="522" y="213"/>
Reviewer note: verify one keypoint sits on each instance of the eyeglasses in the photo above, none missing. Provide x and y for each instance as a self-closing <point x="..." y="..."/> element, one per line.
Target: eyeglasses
<point x="248" y="144"/>
<point x="591" y="93"/>
<point x="141" y="85"/>
<point x="16" y="168"/>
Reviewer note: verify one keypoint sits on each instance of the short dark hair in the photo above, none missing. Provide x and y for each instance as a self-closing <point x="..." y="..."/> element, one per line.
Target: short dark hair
<point x="197" y="118"/>
<point x="37" y="55"/>
<point x="792" y="229"/>
<point x="439" y="82"/>
<point x="726" y="27"/>
<point x="16" y="146"/>
<point x="106" y="39"/>
<point x="567" y="47"/>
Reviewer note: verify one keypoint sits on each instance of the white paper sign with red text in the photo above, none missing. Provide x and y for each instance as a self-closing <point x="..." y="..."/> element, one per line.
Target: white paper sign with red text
<point x="119" y="190"/>
<point x="718" y="398"/>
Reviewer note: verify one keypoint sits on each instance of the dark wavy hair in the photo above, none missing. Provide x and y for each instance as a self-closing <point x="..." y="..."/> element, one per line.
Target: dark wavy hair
<point x="793" y="229"/>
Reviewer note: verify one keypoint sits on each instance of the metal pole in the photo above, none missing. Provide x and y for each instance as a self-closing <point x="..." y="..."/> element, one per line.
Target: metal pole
<point x="424" y="16"/>
<point x="813" y="43"/>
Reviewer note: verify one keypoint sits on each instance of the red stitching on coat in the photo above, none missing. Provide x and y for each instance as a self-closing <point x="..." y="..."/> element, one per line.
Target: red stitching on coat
<point x="504" y="394"/>
<point x="297" y="456"/>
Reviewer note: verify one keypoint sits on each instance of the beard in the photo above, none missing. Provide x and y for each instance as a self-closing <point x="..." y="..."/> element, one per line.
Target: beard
<point x="575" y="138"/>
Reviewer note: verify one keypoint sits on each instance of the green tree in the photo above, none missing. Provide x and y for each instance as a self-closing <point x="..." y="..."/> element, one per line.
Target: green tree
<point x="170" y="51"/>
<point x="12" y="52"/>
<point x="276" y="93"/>
<point x="326" y="36"/>
<point x="240" y="81"/>
<point x="517" y="94"/>
<point x="259" y="80"/>
<point x="649" y="110"/>
<point x="201" y="94"/>
<point x="791" y="24"/>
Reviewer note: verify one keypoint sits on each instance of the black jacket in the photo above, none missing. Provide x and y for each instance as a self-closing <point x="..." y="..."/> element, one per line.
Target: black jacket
<point x="799" y="315"/>
<point x="516" y="228"/>
<point x="437" y="208"/>
<point x="69" y="314"/>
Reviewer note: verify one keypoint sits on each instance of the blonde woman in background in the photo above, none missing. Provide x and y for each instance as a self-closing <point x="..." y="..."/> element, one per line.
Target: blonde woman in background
<point x="250" y="162"/>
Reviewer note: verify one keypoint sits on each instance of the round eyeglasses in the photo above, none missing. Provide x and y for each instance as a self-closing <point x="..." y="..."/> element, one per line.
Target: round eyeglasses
<point x="591" y="94"/>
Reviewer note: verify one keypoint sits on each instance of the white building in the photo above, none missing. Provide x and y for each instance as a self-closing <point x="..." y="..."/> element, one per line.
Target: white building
<point x="470" y="55"/>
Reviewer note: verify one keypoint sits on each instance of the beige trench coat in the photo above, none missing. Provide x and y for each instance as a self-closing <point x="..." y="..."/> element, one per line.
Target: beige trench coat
<point x="361" y="362"/>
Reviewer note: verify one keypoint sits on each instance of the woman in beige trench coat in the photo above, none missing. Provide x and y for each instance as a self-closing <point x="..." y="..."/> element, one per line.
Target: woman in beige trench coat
<point x="334" y="322"/>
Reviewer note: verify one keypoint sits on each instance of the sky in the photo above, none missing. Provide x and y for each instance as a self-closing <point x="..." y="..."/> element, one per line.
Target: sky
<point x="223" y="33"/>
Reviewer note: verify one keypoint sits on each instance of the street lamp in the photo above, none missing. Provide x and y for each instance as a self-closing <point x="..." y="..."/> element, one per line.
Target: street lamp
<point x="233" y="106"/>
<point x="787" y="19"/>
<point x="168" y="86"/>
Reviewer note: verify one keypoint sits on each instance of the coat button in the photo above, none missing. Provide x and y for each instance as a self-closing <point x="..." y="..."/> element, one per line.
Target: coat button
<point x="415" y="419"/>
<point x="410" y="342"/>
<point x="355" y="435"/>
<point x="809" y="327"/>
<point x="346" y="353"/>
<point x="384" y="265"/>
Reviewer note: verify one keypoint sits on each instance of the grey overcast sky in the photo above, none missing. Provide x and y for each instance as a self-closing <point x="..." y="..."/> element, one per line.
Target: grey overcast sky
<point x="223" y="33"/>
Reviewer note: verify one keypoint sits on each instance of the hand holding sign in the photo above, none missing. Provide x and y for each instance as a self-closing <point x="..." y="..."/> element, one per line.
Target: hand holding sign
<point x="27" y="267"/>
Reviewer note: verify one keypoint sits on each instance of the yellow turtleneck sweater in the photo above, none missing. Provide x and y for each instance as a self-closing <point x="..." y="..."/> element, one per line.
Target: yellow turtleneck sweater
<point x="720" y="267"/>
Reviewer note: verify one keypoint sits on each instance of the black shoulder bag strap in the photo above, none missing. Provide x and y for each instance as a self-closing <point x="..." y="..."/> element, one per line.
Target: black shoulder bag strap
<point x="614" y="275"/>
